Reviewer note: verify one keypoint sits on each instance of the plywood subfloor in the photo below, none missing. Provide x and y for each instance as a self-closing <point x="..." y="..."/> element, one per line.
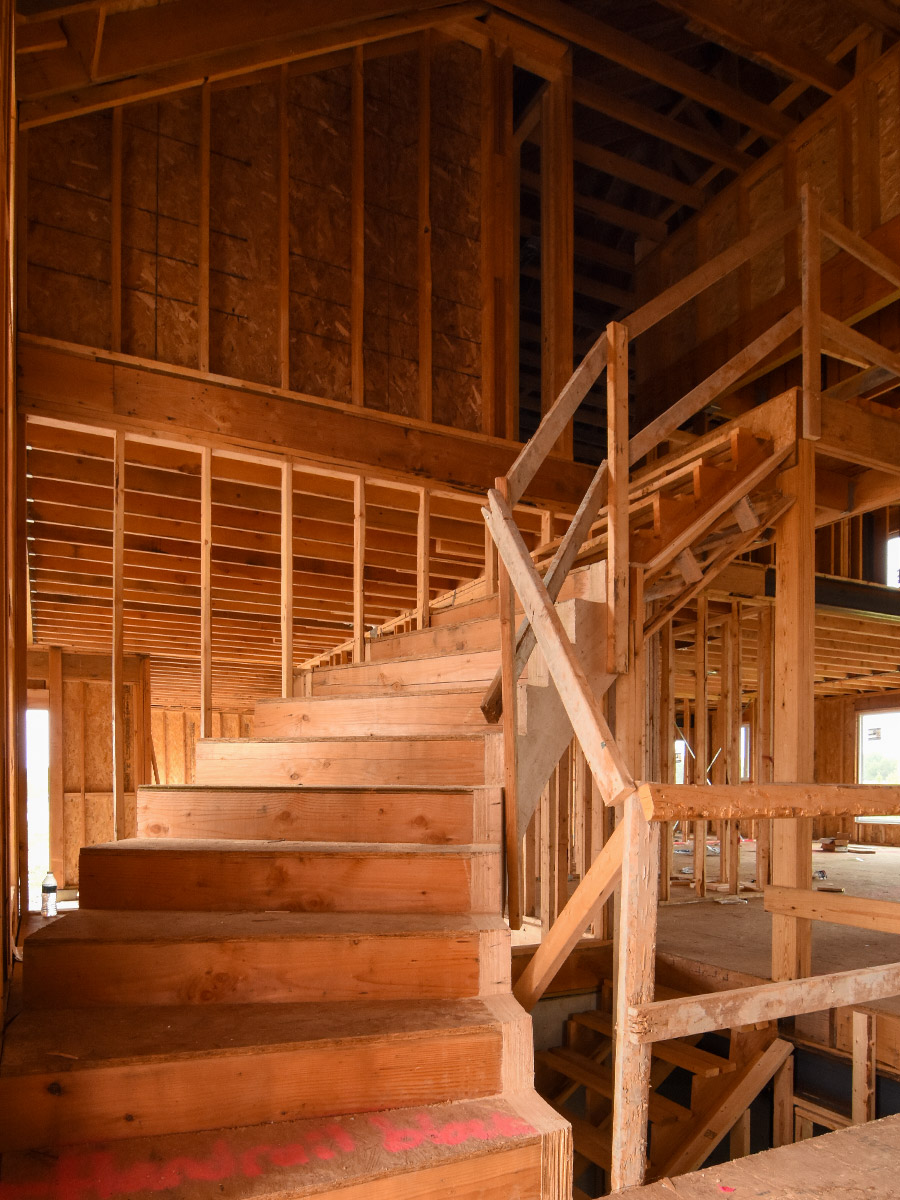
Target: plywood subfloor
<point x="859" y="1163"/>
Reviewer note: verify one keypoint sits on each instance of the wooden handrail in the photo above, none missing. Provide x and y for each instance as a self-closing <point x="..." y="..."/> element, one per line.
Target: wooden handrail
<point x="582" y="707"/>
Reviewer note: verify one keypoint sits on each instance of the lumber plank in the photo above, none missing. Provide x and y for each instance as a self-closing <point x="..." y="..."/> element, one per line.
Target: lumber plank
<point x="857" y="911"/>
<point x="760" y="801"/>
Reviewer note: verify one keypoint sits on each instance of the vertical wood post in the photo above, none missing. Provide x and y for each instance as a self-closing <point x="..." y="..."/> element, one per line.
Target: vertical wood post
<point x="617" y="562"/>
<point x="783" y="1104"/>
<point x="701" y="734"/>
<point x="666" y="736"/>
<point x="507" y="611"/>
<point x="55" y="780"/>
<point x="764" y="733"/>
<point x="497" y="237"/>
<point x="423" y="543"/>
<point x="636" y="962"/>
<point x="424" y="223"/>
<point x="793" y="708"/>
<point x="733" y="730"/>
<point x="359" y="569"/>
<point x="284" y="231"/>
<point x="557" y="245"/>
<point x="357" y="224"/>
<point x="811" y="302"/>
<point x="864" y="1067"/>
<point x="118" y="634"/>
<point x="206" y="704"/>
<point x="287" y="579"/>
<point x="203" y="233"/>
<point x="115" y="255"/>
<point x="149" y="773"/>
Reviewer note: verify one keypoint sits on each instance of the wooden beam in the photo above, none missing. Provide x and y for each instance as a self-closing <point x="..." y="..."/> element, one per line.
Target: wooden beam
<point x="115" y="240"/>
<point x="793" y="709"/>
<point x="584" y="30"/>
<point x="757" y="39"/>
<point x="506" y="598"/>
<point x="357" y="225"/>
<point x="359" y="569"/>
<point x="423" y="544"/>
<point x="118" y="638"/>
<point x="658" y="183"/>
<point x="206" y="649"/>
<point x="701" y="734"/>
<point x="689" y="1015"/>
<point x="287" y="578"/>
<point x="861" y="913"/>
<point x="203" y="234"/>
<point x="676" y="133"/>
<point x="423" y="217"/>
<point x="59" y="382"/>
<point x="56" y="763"/>
<point x="811" y="306"/>
<point x="767" y="801"/>
<point x="284" y="231"/>
<point x="618" y="546"/>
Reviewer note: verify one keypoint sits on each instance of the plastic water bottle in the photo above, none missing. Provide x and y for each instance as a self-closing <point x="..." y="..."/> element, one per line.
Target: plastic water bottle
<point x="48" y="896"/>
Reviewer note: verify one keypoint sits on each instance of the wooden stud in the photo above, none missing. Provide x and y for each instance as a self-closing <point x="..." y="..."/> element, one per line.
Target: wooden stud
<point x="203" y="233"/>
<point x="557" y="246"/>
<point x="206" y="702"/>
<point x="701" y="734"/>
<point x="783" y="1104"/>
<point x="865" y="1076"/>
<point x="359" y="569"/>
<point x="357" y="224"/>
<point x="667" y="747"/>
<point x="424" y="229"/>
<point x="811" y="303"/>
<point x="287" y="579"/>
<point x="423" y="544"/>
<point x="763" y="734"/>
<point x="618" y="557"/>
<point x="115" y="257"/>
<point x="284" y="231"/>
<point x="793" y="707"/>
<point x="739" y="1137"/>
<point x="55" y="776"/>
<point x="507" y="612"/>
<point x="118" y="635"/>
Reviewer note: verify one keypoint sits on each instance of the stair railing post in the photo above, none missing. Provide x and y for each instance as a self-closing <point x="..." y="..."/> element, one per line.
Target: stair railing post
<point x="811" y="305"/>
<point x="617" y="563"/>
<point x="506" y="599"/>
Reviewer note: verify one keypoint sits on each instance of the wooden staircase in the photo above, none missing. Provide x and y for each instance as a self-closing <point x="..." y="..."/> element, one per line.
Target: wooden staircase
<point x="296" y="980"/>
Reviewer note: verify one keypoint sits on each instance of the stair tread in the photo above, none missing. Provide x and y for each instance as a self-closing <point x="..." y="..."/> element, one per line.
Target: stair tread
<point x="270" y="845"/>
<point x="358" y="737"/>
<point x="581" y="1069"/>
<point x="299" y="1158"/>
<point x="675" y="1051"/>
<point x="327" y="789"/>
<point x="390" y="698"/>
<point x="111" y="925"/>
<point x="75" y="1039"/>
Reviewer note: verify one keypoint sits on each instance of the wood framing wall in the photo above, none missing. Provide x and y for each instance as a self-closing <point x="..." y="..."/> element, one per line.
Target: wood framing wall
<point x="845" y="151"/>
<point x="175" y="734"/>
<point x="272" y="229"/>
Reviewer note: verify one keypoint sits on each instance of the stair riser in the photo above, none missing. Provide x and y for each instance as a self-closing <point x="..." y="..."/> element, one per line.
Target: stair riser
<point x="374" y="716"/>
<point x="434" y="674"/>
<point x="287" y="1083"/>
<point x="276" y="971"/>
<point x="366" y="763"/>
<point x="478" y="635"/>
<point x="423" y="818"/>
<point x="220" y="881"/>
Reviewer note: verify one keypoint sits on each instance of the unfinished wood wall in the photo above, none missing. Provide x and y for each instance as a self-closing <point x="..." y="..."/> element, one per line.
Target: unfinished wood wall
<point x="158" y="230"/>
<point x="849" y="150"/>
<point x="176" y="732"/>
<point x="837" y="719"/>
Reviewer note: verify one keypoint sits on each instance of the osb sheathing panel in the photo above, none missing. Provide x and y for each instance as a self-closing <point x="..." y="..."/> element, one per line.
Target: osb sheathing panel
<point x="176" y="732"/>
<point x="69" y="221"/>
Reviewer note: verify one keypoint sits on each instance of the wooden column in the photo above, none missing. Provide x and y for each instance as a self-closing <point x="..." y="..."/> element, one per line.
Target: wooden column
<point x="423" y="544"/>
<point x="507" y="609"/>
<point x="284" y="231"/>
<point x="763" y="759"/>
<point x="424" y="223"/>
<point x="701" y="735"/>
<point x="865" y="1076"/>
<point x="149" y="772"/>
<point x="357" y="224"/>
<point x="733" y="734"/>
<point x="206" y="705"/>
<point x="617" y="561"/>
<point x="203" y="234"/>
<point x="115" y="248"/>
<point x="795" y="611"/>
<point x="666" y="735"/>
<point x="557" y="246"/>
<point x="287" y="579"/>
<point x="359" y="569"/>
<point x="811" y="301"/>
<point x="635" y="984"/>
<point x="118" y="634"/>
<point x="783" y="1105"/>
<point x="498" y="247"/>
<point x="55" y="776"/>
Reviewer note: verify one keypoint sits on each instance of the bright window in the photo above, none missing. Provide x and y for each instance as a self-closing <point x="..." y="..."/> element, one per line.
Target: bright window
<point x="37" y="765"/>
<point x="893" y="561"/>
<point x="879" y="747"/>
